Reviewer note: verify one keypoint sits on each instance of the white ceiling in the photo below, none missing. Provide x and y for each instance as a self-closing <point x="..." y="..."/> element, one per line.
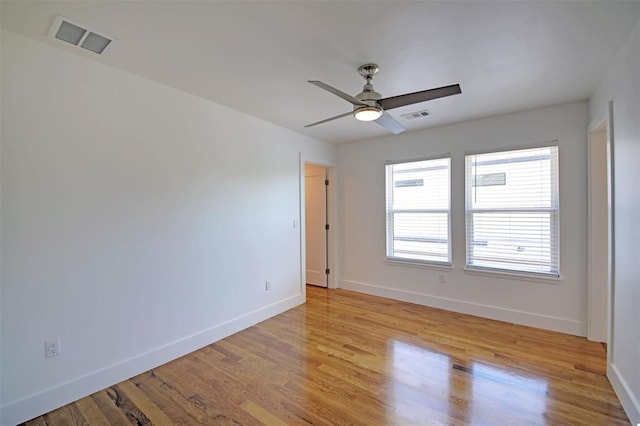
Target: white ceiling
<point x="256" y="57"/>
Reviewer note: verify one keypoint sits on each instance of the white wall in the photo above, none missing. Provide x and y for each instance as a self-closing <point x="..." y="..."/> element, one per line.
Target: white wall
<point x="138" y="224"/>
<point x="557" y="305"/>
<point x="622" y="85"/>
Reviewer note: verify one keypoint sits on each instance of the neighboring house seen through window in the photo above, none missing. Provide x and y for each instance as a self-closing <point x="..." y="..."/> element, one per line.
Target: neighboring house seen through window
<point x="419" y="211"/>
<point x="512" y="211"/>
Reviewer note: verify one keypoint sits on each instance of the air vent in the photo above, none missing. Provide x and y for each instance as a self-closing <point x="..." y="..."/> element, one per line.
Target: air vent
<point x="78" y="35"/>
<point x="416" y="114"/>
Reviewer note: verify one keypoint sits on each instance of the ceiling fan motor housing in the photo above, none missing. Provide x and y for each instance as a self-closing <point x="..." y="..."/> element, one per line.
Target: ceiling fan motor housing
<point x="371" y="110"/>
<point x="369" y="97"/>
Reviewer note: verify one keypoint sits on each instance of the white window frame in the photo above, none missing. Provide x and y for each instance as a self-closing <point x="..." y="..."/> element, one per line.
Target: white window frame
<point x="554" y="211"/>
<point x="389" y="188"/>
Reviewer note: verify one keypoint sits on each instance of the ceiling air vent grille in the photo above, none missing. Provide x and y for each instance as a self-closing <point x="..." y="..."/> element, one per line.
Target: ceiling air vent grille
<point x="416" y="114"/>
<point x="66" y="30"/>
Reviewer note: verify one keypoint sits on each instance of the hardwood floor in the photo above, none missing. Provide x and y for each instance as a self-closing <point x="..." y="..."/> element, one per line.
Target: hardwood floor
<point x="348" y="358"/>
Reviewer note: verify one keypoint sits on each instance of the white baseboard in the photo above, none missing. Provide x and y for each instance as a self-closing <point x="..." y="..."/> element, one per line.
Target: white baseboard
<point x="627" y="399"/>
<point x="531" y="319"/>
<point x="49" y="399"/>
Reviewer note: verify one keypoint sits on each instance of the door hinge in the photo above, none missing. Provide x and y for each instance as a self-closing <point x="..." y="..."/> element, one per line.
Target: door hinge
<point x="326" y="271"/>
<point x="326" y="227"/>
<point x="326" y="182"/>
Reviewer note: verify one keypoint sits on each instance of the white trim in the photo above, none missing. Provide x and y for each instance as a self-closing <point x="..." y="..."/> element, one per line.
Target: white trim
<point x="531" y="319"/>
<point x="630" y="404"/>
<point x="21" y="410"/>
<point x="414" y="160"/>
<point x="554" y="212"/>
<point x="508" y="274"/>
<point x="390" y="211"/>
<point x="421" y="265"/>
<point x="302" y="224"/>
<point x="612" y="232"/>
<point x="543" y="144"/>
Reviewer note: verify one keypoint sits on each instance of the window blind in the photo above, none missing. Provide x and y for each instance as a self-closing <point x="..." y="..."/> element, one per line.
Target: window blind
<point x="512" y="211"/>
<point x="418" y="211"/>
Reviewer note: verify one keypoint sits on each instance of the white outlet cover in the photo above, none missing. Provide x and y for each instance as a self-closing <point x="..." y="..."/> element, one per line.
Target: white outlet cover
<point x="52" y="348"/>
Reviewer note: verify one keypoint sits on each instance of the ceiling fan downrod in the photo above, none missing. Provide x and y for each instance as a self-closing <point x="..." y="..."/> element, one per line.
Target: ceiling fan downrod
<point x="368" y="71"/>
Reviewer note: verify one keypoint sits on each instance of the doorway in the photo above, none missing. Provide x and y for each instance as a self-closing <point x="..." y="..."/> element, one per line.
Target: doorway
<point x="600" y="222"/>
<point x="316" y="225"/>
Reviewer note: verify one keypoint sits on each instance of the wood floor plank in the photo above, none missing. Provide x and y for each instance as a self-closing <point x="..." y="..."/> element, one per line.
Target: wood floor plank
<point x="108" y="407"/>
<point x="217" y="402"/>
<point x="67" y="415"/>
<point x="91" y="412"/>
<point x="349" y="358"/>
<point x="263" y="416"/>
<point x="192" y="404"/>
<point x="126" y="406"/>
<point x="165" y="397"/>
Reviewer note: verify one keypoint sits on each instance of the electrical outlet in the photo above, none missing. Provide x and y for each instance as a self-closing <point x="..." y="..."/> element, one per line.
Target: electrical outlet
<point x="267" y="285"/>
<point x="441" y="279"/>
<point x="52" y="348"/>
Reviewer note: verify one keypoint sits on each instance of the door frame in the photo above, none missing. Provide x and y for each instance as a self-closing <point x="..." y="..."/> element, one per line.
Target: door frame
<point x="596" y="126"/>
<point x="316" y="207"/>
<point x="332" y="218"/>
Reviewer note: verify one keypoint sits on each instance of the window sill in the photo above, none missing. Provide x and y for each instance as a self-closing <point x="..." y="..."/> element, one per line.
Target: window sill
<point x="419" y="265"/>
<point x="513" y="275"/>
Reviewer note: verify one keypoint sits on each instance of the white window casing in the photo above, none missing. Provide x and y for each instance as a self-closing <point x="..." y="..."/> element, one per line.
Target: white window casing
<point x="512" y="211"/>
<point x="418" y="211"/>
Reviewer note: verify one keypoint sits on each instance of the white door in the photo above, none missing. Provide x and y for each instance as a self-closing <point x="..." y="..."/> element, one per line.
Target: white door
<point x="316" y="222"/>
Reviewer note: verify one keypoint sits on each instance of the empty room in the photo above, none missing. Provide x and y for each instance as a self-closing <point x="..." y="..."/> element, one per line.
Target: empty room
<point x="319" y="212"/>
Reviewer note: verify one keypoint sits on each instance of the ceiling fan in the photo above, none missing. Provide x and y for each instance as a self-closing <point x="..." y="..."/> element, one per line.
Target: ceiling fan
<point x="369" y="105"/>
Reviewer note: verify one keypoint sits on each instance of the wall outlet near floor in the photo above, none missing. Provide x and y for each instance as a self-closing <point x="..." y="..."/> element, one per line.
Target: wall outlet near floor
<point x="52" y="348"/>
<point x="267" y="285"/>
<point x="441" y="279"/>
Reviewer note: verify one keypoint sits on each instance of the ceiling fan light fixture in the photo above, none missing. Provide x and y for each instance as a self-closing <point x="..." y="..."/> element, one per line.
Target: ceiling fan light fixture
<point x="368" y="113"/>
<point x="369" y="105"/>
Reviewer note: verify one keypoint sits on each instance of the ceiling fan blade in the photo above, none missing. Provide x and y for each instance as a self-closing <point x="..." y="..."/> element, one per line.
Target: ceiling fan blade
<point x="329" y="119"/>
<point x="336" y="92"/>
<point x="389" y="123"/>
<point x="416" y="97"/>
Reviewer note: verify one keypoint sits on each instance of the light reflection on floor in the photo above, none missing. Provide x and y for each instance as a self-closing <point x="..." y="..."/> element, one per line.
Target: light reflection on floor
<point x="513" y="396"/>
<point x="420" y="388"/>
<point x="431" y="388"/>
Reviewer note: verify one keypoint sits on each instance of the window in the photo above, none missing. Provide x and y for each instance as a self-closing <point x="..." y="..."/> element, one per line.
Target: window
<point x="512" y="211"/>
<point x="418" y="211"/>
